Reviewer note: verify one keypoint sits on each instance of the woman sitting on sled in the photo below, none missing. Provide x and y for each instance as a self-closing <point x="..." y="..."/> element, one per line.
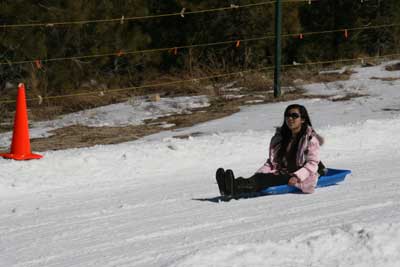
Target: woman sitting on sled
<point x="293" y="159"/>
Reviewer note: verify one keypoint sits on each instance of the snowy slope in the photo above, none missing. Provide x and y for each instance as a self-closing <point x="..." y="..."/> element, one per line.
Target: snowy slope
<point x="151" y="202"/>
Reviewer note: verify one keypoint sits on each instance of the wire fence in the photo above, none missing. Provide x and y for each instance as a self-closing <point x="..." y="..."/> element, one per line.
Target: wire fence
<point x="120" y="53"/>
<point x="122" y="19"/>
<point x="223" y="75"/>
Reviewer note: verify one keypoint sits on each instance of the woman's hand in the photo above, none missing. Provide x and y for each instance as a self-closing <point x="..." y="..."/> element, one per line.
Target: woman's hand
<point x="294" y="180"/>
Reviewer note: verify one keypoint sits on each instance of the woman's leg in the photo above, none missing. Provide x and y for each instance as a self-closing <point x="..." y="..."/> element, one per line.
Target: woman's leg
<point x="264" y="180"/>
<point x="259" y="181"/>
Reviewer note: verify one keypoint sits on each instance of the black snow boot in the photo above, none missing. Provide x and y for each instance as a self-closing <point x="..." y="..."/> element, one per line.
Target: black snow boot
<point x="229" y="183"/>
<point x="220" y="177"/>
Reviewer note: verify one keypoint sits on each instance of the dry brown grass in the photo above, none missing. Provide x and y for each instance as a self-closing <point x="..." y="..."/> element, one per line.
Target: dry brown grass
<point x="257" y="81"/>
<point x="330" y="77"/>
<point x="168" y="85"/>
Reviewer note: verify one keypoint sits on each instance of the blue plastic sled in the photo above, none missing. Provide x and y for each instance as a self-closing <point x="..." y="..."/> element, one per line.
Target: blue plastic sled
<point x="333" y="177"/>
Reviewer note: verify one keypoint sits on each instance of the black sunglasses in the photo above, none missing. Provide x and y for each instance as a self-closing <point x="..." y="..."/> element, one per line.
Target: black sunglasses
<point x="292" y="115"/>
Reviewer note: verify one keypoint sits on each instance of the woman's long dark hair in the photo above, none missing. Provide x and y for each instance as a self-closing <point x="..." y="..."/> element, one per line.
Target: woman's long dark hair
<point x="287" y="133"/>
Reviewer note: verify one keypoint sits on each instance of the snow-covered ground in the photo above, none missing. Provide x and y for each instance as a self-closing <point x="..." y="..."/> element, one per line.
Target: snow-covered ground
<point x="151" y="202"/>
<point x="133" y="112"/>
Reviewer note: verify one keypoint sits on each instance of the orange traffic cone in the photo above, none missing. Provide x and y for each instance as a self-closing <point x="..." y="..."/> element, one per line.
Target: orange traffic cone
<point x="20" y="146"/>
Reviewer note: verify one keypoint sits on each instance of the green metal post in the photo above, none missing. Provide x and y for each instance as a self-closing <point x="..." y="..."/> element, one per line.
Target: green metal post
<point x="278" y="48"/>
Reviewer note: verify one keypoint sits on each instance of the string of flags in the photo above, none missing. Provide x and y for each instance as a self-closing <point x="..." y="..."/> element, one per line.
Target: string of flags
<point x="182" y="13"/>
<point x="122" y="19"/>
<point x="174" y="50"/>
<point x="38" y="64"/>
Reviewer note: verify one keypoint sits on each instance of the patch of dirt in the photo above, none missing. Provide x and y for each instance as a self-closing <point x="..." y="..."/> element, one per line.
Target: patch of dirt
<point x="331" y="77"/>
<point x="82" y="136"/>
<point x="368" y="64"/>
<point x="391" y="109"/>
<point x="393" y="67"/>
<point x="385" y="79"/>
<point x="346" y="97"/>
<point x="187" y="136"/>
<point x="312" y="76"/>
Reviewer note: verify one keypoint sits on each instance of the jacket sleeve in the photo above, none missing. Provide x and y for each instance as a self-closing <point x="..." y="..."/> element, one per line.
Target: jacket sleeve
<point x="312" y="161"/>
<point x="269" y="166"/>
<point x="266" y="168"/>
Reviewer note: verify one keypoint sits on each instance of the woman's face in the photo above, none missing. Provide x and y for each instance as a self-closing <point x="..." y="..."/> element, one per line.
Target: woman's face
<point x="293" y="119"/>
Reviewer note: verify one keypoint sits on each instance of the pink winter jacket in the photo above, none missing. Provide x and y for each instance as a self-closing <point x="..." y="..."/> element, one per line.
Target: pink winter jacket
<point x="307" y="157"/>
